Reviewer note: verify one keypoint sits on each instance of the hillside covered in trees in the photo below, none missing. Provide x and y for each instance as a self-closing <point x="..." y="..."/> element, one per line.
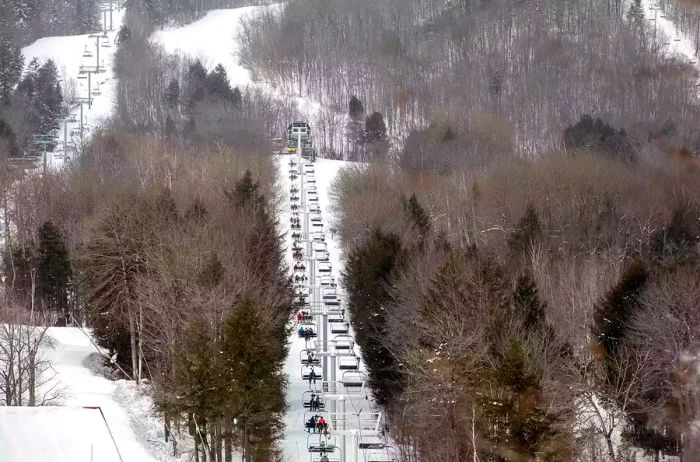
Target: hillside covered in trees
<point x="520" y="234"/>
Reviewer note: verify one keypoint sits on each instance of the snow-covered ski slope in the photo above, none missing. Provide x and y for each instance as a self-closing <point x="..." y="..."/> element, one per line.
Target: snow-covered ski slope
<point x="137" y="433"/>
<point x="68" y="54"/>
<point x="213" y="40"/>
<point x="678" y="44"/>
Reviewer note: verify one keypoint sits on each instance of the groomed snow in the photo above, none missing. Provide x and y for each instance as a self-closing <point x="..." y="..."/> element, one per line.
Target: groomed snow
<point x="137" y="433"/>
<point x="56" y="434"/>
<point x="212" y="40"/>
<point x="67" y="53"/>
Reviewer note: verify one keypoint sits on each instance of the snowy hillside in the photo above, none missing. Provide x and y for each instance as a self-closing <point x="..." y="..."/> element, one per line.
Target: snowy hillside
<point x="71" y="55"/>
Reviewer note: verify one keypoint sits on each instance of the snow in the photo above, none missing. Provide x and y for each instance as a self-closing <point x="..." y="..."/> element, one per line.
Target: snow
<point x="212" y="40"/>
<point x="59" y="434"/>
<point x="677" y="43"/>
<point x="127" y="411"/>
<point x="67" y="53"/>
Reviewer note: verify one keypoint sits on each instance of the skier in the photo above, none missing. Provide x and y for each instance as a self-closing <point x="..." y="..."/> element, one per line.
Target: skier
<point x="324" y="458"/>
<point x="312" y="376"/>
<point x="311" y="424"/>
<point x="322" y="426"/>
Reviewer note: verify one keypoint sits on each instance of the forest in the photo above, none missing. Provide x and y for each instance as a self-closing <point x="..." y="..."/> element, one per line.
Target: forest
<point x="520" y="231"/>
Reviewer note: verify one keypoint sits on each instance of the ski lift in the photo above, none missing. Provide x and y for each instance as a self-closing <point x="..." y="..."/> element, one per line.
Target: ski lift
<point x="82" y="76"/>
<point x="321" y="459"/>
<point x="315" y="414"/>
<point x="327" y="281"/>
<point x="324" y="267"/>
<point x="87" y="53"/>
<point x="344" y="342"/>
<point x="294" y="198"/>
<point x="388" y="454"/>
<point x="308" y="373"/>
<point x="354" y="379"/>
<point x="371" y="440"/>
<point x="307" y="331"/>
<point x="340" y="328"/>
<point x="106" y="45"/>
<point x="336" y="318"/>
<point x="323" y="446"/>
<point x="349" y="363"/>
<point x="308" y="396"/>
<point x="96" y="91"/>
<point x="308" y="358"/>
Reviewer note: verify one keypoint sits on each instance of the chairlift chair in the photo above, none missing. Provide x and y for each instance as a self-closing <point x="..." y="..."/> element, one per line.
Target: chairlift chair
<point x="321" y="445"/>
<point x="344" y="342"/>
<point x="388" y="454"/>
<point x="307" y="331"/>
<point x="306" y="374"/>
<point x="343" y="328"/>
<point x="304" y="356"/>
<point x="336" y="318"/>
<point x="353" y="379"/>
<point x="87" y="53"/>
<point x="351" y="363"/>
<point x="325" y="267"/>
<point x="306" y="398"/>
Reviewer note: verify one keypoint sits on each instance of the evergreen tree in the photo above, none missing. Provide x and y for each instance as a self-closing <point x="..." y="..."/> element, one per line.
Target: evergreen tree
<point x="367" y="277"/>
<point x="246" y="192"/>
<point x="415" y="212"/>
<point x="196" y="82"/>
<point x="375" y="129"/>
<point x="172" y="94"/>
<point x="527" y="231"/>
<point x="54" y="270"/>
<point x="252" y="353"/>
<point x="123" y="35"/>
<point x="527" y="303"/>
<point x="614" y="312"/>
<point x="356" y="109"/>
<point x="11" y="63"/>
<point x="218" y="85"/>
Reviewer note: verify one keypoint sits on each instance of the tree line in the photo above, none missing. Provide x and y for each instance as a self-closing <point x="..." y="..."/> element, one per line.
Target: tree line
<point x="531" y="309"/>
<point x="513" y="75"/>
<point x="170" y="252"/>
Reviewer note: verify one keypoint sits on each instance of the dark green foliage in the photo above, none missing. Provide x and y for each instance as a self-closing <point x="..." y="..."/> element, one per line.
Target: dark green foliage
<point x="596" y="135"/>
<point x="252" y="355"/>
<point x="367" y="278"/>
<point x="246" y="193"/>
<point x="527" y="232"/>
<point x="527" y="303"/>
<point x="614" y="312"/>
<point x="11" y="63"/>
<point x="356" y="108"/>
<point x="172" y="94"/>
<point x="676" y="243"/>
<point x="416" y="214"/>
<point x="123" y="35"/>
<point x="375" y="129"/>
<point x="197" y="82"/>
<point x="54" y="273"/>
<point x="212" y="272"/>
<point x="219" y="88"/>
<point x="18" y="269"/>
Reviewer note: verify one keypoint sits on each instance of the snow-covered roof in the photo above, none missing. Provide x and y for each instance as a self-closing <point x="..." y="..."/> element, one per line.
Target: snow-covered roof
<point x="56" y="434"/>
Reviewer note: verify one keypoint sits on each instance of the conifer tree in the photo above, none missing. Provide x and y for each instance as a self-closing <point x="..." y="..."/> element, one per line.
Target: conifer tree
<point x="416" y="213"/>
<point x="54" y="270"/>
<point x="527" y="303"/>
<point x="527" y="231"/>
<point x="614" y="312"/>
<point x="367" y="279"/>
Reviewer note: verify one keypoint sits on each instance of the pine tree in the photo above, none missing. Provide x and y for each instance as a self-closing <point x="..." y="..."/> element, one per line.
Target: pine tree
<point x="172" y="94"/>
<point x="11" y="63"/>
<point x="123" y="35"/>
<point x="614" y="312"/>
<point x="246" y="192"/>
<point x="196" y="82"/>
<point x="367" y="278"/>
<point x="527" y="303"/>
<point x="415" y="212"/>
<point x="54" y="270"/>
<point x="527" y="231"/>
<point x="251" y="358"/>
<point x="375" y="129"/>
<point x="356" y="109"/>
<point x="218" y="85"/>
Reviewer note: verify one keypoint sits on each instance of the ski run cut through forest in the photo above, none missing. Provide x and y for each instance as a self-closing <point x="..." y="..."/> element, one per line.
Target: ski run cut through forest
<point x="350" y="230"/>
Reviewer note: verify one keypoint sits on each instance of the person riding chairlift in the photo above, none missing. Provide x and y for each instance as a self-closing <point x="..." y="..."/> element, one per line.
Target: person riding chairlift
<point x="322" y="425"/>
<point x="311" y="424"/>
<point x="312" y="376"/>
<point x="324" y="458"/>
